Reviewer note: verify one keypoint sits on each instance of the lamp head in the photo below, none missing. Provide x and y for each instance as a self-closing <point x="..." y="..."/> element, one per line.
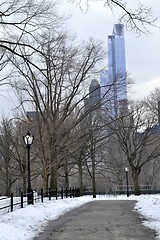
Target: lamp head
<point x="28" y="139"/>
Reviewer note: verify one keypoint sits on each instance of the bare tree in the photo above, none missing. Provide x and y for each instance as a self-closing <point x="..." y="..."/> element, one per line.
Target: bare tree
<point x="21" y="22"/>
<point x="152" y="103"/>
<point x="54" y="70"/>
<point x="55" y="91"/>
<point x="138" y="138"/>
<point x="137" y="19"/>
<point x="9" y="167"/>
<point x="13" y="156"/>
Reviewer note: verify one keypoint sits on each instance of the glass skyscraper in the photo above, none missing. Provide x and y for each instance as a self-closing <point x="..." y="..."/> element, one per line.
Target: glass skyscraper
<point x="114" y="80"/>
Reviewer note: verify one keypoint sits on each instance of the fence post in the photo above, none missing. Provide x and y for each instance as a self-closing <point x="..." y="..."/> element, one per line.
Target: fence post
<point x="73" y="192"/>
<point x="70" y="192"/>
<point x="62" y="193"/>
<point x="21" y="199"/>
<point x="32" y="197"/>
<point x="56" y="193"/>
<point x="66" y="192"/>
<point x="41" y="195"/>
<point x="11" y="202"/>
<point x="49" y="194"/>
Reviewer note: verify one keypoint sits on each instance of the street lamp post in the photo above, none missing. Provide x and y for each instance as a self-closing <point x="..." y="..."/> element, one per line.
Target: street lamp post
<point x="126" y="170"/>
<point x="28" y="140"/>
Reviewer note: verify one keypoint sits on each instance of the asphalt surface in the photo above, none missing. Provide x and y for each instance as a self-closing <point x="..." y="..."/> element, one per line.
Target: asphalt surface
<point x="99" y="220"/>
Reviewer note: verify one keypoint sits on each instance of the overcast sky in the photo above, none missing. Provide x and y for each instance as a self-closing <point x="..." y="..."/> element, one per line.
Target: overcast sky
<point x="142" y="52"/>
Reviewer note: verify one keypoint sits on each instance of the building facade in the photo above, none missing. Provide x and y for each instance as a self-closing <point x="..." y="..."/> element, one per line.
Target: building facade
<point x="94" y="93"/>
<point x="113" y="81"/>
<point x="93" y="102"/>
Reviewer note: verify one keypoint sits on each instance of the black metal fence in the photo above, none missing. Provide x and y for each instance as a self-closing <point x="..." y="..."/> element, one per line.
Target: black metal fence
<point x="9" y="204"/>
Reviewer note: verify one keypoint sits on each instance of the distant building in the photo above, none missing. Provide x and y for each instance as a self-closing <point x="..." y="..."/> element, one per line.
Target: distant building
<point x="94" y="93"/>
<point x="93" y="102"/>
<point x="32" y="115"/>
<point x="104" y="82"/>
<point x="113" y="81"/>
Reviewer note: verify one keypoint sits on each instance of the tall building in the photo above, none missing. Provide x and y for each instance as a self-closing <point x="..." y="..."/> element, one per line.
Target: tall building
<point x="93" y="102"/>
<point x="114" y="80"/>
<point x="94" y="93"/>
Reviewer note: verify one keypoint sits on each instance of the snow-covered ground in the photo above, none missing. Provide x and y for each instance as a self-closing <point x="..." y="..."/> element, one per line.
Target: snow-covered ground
<point x="24" y="224"/>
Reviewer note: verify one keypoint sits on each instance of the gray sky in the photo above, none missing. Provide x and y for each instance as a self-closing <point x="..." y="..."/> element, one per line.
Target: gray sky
<point x="142" y="52"/>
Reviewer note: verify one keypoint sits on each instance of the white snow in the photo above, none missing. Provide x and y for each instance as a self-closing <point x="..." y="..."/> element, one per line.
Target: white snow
<point x="26" y="223"/>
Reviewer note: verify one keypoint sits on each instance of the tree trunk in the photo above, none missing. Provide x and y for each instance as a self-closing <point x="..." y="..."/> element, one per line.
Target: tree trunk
<point x="80" y="175"/>
<point x="93" y="174"/>
<point x="66" y="179"/>
<point x="45" y="182"/>
<point x="53" y="179"/>
<point x="66" y="175"/>
<point x="135" y="177"/>
<point x="7" y="187"/>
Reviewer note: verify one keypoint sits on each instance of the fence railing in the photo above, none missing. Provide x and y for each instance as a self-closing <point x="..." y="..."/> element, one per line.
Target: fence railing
<point x="9" y="204"/>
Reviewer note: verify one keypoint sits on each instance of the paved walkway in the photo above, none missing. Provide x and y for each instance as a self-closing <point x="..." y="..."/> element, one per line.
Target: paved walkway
<point x="99" y="220"/>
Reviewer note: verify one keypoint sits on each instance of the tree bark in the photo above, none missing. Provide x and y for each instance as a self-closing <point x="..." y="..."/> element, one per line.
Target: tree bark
<point x="66" y="179"/>
<point x="45" y="182"/>
<point x="80" y="175"/>
<point x="53" y="179"/>
<point x="135" y="177"/>
<point x="93" y="173"/>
